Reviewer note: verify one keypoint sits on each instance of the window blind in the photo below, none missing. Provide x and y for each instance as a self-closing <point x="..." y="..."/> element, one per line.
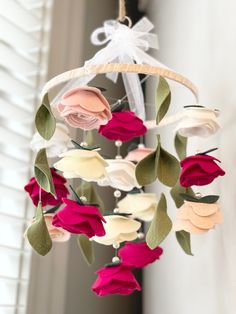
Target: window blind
<point x="24" y="43"/>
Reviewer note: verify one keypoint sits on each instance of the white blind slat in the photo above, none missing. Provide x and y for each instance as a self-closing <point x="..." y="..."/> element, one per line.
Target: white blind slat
<point x="24" y="40"/>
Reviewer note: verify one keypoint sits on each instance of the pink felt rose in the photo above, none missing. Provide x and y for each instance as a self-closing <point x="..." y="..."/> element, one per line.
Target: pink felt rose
<point x="85" y="108"/>
<point x="76" y="218"/>
<point x="199" y="170"/>
<point x="139" y="153"/>
<point x="115" y="280"/>
<point x="33" y="189"/>
<point x="138" y="255"/>
<point x="123" y="126"/>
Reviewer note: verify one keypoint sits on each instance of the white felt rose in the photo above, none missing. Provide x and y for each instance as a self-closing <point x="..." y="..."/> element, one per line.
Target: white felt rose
<point x="118" y="229"/>
<point x="197" y="218"/>
<point x="57" y="145"/>
<point x="120" y="175"/>
<point x="198" y="121"/>
<point x="85" y="164"/>
<point x="140" y="205"/>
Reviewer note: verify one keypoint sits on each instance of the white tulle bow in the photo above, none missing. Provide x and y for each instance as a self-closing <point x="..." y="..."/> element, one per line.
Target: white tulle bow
<point x="126" y="45"/>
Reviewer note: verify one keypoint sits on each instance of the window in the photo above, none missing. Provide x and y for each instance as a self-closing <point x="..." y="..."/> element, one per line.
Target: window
<point x="24" y="40"/>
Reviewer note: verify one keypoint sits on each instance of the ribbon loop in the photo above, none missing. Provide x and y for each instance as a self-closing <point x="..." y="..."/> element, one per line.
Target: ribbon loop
<point x="126" y="45"/>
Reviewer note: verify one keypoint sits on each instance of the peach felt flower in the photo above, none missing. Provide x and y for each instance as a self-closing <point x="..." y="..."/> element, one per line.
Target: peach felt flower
<point x="198" y="218"/>
<point x="56" y="234"/>
<point x="84" y="107"/>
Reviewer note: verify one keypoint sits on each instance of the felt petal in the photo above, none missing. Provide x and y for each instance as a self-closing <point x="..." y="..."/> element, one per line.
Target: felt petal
<point x="187" y="226"/>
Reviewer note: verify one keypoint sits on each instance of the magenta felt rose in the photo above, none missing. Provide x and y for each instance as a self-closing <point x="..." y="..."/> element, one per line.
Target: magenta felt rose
<point x="138" y="255"/>
<point x="84" y="107"/>
<point x="115" y="280"/>
<point x="32" y="188"/>
<point x="123" y="126"/>
<point x="76" y="218"/>
<point x="199" y="170"/>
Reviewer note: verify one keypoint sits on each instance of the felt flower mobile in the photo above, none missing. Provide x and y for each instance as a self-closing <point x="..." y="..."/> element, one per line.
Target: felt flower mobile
<point x="33" y="190"/>
<point x="138" y="255"/>
<point x="198" y="121"/>
<point x="118" y="229"/>
<point x="199" y="170"/>
<point x="139" y="153"/>
<point x="85" y="108"/>
<point x="80" y="219"/>
<point x="115" y="280"/>
<point x="120" y="174"/>
<point x="57" y="145"/>
<point x="85" y="164"/>
<point x="140" y="205"/>
<point x="197" y="217"/>
<point x="123" y="126"/>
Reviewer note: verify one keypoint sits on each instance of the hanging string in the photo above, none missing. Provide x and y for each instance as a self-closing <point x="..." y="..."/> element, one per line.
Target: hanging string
<point x="122" y="11"/>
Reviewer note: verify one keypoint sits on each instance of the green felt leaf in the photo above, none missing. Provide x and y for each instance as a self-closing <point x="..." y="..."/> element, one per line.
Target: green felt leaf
<point x="44" y="119"/>
<point x="52" y="210"/>
<point x="88" y="190"/>
<point x="159" y="164"/>
<point x="184" y="241"/>
<point x="86" y="248"/>
<point x="78" y="146"/>
<point x="181" y="145"/>
<point x="209" y="199"/>
<point x="43" y="173"/>
<point x="189" y="198"/>
<point x="176" y="191"/>
<point x="146" y="169"/>
<point x="160" y="226"/>
<point x="38" y="234"/>
<point x="163" y="99"/>
<point x="168" y="168"/>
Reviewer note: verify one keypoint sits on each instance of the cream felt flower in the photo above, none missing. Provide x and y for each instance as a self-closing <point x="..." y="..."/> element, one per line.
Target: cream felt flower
<point x="197" y="217"/>
<point x="140" y="205"/>
<point x="57" y="145"/>
<point x="198" y="121"/>
<point x="118" y="229"/>
<point x="120" y="175"/>
<point x="85" y="164"/>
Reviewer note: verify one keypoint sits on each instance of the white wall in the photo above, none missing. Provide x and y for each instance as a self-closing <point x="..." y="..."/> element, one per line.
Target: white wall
<point x="198" y="39"/>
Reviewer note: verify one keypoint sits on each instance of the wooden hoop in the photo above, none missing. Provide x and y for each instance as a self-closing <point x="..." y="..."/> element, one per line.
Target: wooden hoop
<point x="122" y="68"/>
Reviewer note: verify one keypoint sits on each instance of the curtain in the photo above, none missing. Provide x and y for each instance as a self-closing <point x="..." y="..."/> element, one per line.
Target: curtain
<point x="197" y="39"/>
